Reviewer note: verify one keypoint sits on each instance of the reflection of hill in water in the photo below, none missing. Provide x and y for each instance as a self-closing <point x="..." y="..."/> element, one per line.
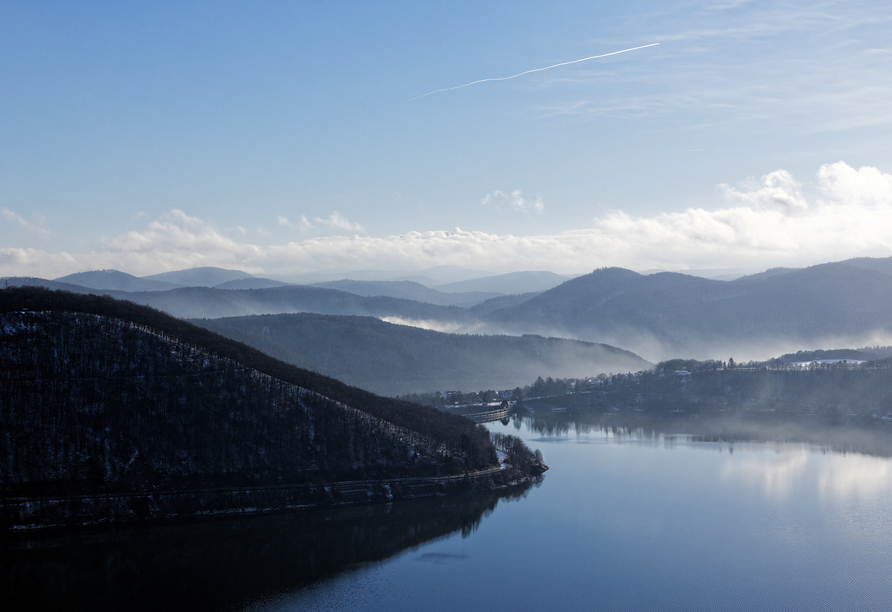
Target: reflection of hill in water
<point x="873" y="438"/>
<point x="219" y="564"/>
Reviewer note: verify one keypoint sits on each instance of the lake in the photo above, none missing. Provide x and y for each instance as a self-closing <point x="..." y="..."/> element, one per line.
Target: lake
<point x="625" y="519"/>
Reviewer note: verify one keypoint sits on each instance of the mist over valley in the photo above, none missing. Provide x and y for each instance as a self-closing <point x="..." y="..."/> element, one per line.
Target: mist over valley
<point x="396" y="359"/>
<point x="657" y="316"/>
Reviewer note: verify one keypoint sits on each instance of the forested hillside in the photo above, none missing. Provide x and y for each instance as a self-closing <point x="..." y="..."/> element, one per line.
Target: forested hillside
<point x="99" y="395"/>
<point x="396" y="359"/>
<point x="829" y="393"/>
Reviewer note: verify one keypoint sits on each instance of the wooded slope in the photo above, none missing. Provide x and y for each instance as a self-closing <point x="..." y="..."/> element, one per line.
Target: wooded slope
<point x="103" y="395"/>
<point x="397" y="359"/>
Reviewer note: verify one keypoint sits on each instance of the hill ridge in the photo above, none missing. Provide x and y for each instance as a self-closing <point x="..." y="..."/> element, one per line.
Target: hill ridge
<point x="111" y="402"/>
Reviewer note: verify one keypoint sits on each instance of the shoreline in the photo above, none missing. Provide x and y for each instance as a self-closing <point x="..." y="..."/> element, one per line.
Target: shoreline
<point x="30" y="514"/>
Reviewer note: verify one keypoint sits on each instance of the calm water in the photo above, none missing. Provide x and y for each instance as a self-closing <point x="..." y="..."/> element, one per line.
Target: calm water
<point x="620" y="522"/>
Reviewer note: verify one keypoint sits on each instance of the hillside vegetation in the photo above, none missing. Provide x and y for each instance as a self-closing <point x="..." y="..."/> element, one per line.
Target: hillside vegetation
<point x="103" y="396"/>
<point x="396" y="359"/>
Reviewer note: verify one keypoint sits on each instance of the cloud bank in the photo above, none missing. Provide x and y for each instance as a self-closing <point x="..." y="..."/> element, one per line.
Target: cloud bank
<point x="766" y="223"/>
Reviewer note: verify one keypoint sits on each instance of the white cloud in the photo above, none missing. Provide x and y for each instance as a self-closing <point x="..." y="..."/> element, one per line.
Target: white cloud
<point x="866" y="187"/>
<point x="770" y="223"/>
<point x="303" y="225"/>
<point x="514" y="201"/>
<point x="35" y="227"/>
<point x="179" y="217"/>
<point x="35" y="262"/>
<point x="337" y="221"/>
<point x="174" y="242"/>
<point x="779" y="191"/>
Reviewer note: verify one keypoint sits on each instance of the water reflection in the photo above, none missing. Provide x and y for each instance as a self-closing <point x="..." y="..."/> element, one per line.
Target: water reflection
<point x="219" y="565"/>
<point x="873" y="438"/>
<point x="775" y="474"/>
<point x="798" y="459"/>
<point x="859" y="477"/>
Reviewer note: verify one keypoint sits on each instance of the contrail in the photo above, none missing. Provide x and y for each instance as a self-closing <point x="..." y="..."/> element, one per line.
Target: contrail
<point x="584" y="59"/>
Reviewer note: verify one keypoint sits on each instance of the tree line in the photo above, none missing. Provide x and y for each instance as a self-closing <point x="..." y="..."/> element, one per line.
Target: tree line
<point x="862" y="389"/>
<point x="109" y="395"/>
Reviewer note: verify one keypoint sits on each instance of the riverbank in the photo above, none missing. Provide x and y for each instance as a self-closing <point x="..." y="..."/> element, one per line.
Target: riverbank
<point x="30" y="513"/>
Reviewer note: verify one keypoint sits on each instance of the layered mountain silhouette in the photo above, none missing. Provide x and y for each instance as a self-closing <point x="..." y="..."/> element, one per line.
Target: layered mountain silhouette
<point x="658" y="316"/>
<point x="113" y="280"/>
<point x="205" y="302"/>
<point x="396" y="359"/>
<point x="844" y="303"/>
<point x="513" y="282"/>
<point x="200" y="277"/>
<point x="409" y="290"/>
<point x="414" y="287"/>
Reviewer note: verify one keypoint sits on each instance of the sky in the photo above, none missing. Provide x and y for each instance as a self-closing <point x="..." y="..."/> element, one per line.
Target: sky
<point x="293" y="137"/>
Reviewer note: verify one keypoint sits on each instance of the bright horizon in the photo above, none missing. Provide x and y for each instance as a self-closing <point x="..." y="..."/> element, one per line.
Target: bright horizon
<point x="291" y="138"/>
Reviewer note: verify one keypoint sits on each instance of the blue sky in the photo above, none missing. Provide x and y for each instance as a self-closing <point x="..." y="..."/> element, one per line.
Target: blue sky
<point x="283" y="137"/>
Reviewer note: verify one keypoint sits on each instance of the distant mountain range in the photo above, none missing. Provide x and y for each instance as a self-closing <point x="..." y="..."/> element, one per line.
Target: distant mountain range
<point x="726" y="274"/>
<point x="409" y="290"/>
<point x="669" y="314"/>
<point x="420" y="288"/>
<point x="436" y="275"/>
<point x="251" y="283"/>
<point x="514" y="282"/>
<point x="478" y="285"/>
<point x="201" y="277"/>
<point x="395" y="359"/>
<point x="113" y="280"/>
<point x="204" y="302"/>
<point x="658" y="316"/>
